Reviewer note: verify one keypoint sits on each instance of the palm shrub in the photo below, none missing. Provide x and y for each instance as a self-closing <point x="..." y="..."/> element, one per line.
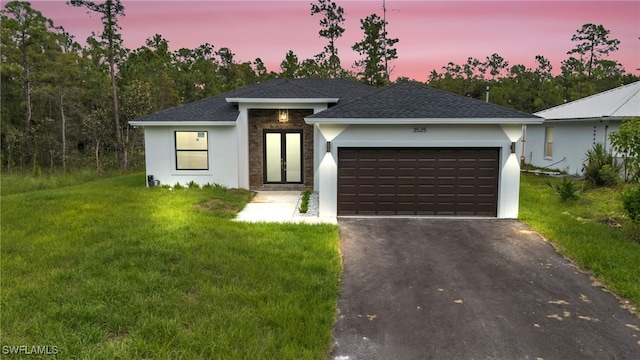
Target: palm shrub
<point x="566" y="189"/>
<point x="600" y="167"/>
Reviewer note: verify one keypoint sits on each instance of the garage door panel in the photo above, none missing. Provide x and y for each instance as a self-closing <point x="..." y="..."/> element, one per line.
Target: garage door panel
<point x="418" y="181"/>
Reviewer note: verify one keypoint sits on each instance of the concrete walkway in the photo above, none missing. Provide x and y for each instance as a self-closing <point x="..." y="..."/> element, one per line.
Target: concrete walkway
<point x="279" y="207"/>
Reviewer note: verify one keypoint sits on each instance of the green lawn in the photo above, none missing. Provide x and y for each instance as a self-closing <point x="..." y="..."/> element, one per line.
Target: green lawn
<point x="111" y="269"/>
<point x="592" y="231"/>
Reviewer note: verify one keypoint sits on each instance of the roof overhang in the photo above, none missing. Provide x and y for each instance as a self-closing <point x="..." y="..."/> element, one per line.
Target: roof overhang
<point x="182" y="123"/>
<point x="282" y="100"/>
<point x="590" y="119"/>
<point x="424" y="121"/>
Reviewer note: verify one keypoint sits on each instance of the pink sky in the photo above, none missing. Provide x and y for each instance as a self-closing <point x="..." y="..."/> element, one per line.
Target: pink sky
<point x="431" y="33"/>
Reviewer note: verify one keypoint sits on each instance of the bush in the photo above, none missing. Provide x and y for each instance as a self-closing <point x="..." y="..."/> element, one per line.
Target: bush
<point x="566" y="189"/>
<point x="193" y="185"/>
<point x="631" y="203"/>
<point x="304" y="203"/>
<point x="609" y="175"/>
<point x="600" y="167"/>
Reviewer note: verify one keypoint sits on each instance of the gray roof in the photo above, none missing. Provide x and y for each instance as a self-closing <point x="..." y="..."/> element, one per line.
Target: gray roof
<point x="217" y="108"/>
<point x="409" y="100"/>
<point x="615" y="103"/>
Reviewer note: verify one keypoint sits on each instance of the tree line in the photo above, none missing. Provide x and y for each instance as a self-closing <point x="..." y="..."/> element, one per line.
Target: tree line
<point x="67" y="106"/>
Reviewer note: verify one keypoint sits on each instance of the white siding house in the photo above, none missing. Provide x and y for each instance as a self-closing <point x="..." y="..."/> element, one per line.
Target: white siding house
<point x="571" y="129"/>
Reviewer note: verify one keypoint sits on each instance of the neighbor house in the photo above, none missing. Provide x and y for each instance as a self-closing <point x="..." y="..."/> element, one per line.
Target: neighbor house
<point x="571" y="129"/>
<point x="406" y="149"/>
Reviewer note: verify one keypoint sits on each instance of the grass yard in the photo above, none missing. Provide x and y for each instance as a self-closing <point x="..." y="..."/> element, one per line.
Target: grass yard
<point x="111" y="269"/>
<point x="592" y="231"/>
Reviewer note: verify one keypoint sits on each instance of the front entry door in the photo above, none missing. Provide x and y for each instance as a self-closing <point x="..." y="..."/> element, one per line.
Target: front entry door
<point x="282" y="156"/>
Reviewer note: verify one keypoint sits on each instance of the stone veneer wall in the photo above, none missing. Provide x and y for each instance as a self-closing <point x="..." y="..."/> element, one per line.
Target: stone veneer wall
<point x="260" y="120"/>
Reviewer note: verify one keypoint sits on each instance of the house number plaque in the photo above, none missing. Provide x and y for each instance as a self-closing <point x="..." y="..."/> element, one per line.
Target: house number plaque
<point x="419" y="129"/>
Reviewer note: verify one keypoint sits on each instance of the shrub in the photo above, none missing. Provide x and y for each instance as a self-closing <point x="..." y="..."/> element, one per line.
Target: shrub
<point x="631" y="203"/>
<point x="177" y="186"/>
<point x="566" y="189"/>
<point x="193" y="185"/>
<point x="609" y="175"/>
<point x="627" y="142"/>
<point x="600" y="167"/>
<point x="304" y="203"/>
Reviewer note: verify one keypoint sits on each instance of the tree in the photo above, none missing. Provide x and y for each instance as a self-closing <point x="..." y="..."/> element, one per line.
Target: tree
<point x="627" y="141"/>
<point x="594" y="44"/>
<point x="289" y="66"/>
<point x="198" y="73"/>
<point x="544" y="68"/>
<point x="62" y="85"/>
<point x="495" y="63"/>
<point x="112" y="43"/>
<point x="153" y="65"/>
<point x="331" y="30"/>
<point x="377" y="49"/>
<point x="25" y="36"/>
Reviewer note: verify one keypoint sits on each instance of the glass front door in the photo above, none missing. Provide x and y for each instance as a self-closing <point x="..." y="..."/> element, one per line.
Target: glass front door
<point x="283" y="156"/>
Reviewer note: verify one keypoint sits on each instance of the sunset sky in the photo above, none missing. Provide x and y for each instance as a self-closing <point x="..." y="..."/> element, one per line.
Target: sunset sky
<point x="431" y="33"/>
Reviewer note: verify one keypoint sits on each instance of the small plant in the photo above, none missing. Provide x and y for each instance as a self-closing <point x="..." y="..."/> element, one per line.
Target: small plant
<point x="193" y="185"/>
<point x="631" y="203"/>
<point x="207" y="186"/>
<point x="566" y="189"/>
<point x="219" y="187"/>
<point x="165" y="186"/>
<point x="177" y="186"/>
<point x="304" y="203"/>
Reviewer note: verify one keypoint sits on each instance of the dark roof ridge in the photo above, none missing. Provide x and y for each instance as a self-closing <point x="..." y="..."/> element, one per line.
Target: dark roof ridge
<point x="411" y="99"/>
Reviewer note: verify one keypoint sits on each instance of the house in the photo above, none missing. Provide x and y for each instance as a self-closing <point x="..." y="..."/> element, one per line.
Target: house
<point x="571" y="129"/>
<point x="406" y="149"/>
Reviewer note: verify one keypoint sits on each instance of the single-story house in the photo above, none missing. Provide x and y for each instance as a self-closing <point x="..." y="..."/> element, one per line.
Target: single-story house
<point x="406" y="149"/>
<point x="571" y="129"/>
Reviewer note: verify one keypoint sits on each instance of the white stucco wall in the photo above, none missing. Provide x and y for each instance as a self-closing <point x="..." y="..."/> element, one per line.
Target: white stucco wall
<point x="571" y="141"/>
<point x="160" y="155"/>
<point x="404" y="136"/>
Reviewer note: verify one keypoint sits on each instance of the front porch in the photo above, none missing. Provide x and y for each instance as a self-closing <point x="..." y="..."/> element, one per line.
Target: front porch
<point x="280" y="150"/>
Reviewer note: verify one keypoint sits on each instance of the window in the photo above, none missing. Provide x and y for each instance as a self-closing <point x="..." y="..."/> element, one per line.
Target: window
<point x="192" y="150"/>
<point x="548" y="142"/>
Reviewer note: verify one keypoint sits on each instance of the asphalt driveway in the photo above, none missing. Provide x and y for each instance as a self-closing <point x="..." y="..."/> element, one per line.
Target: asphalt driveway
<point x="470" y="289"/>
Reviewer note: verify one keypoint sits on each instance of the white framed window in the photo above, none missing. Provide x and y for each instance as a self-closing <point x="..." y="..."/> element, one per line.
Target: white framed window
<point x="548" y="142"/>
<point x="192" y="150"/>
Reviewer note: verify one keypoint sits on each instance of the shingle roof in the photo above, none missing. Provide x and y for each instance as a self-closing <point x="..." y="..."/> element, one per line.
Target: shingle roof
<point x="217" y="108"/>
<point x="619" y="102"/>
<point x="408" y="100"/>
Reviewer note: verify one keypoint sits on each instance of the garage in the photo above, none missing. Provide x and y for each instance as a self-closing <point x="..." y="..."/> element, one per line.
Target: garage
<point x="411" y="150"/>
<point x="418" y="181"/>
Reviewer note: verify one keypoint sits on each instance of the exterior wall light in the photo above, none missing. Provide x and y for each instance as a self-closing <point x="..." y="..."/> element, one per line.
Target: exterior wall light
<point x="513" y="147"/>
<point x="283" y="115"/>
<point x="328" y="146"/>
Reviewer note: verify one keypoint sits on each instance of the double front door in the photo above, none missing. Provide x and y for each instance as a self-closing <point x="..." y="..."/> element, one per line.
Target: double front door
<point x="282" y="156"/>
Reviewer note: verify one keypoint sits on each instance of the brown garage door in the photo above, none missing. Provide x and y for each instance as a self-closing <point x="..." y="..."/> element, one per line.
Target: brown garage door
<point x="418" y="181"/>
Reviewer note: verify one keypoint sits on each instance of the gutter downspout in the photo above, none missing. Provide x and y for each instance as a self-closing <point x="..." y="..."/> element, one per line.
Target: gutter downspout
<point x="524" y="140"/>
